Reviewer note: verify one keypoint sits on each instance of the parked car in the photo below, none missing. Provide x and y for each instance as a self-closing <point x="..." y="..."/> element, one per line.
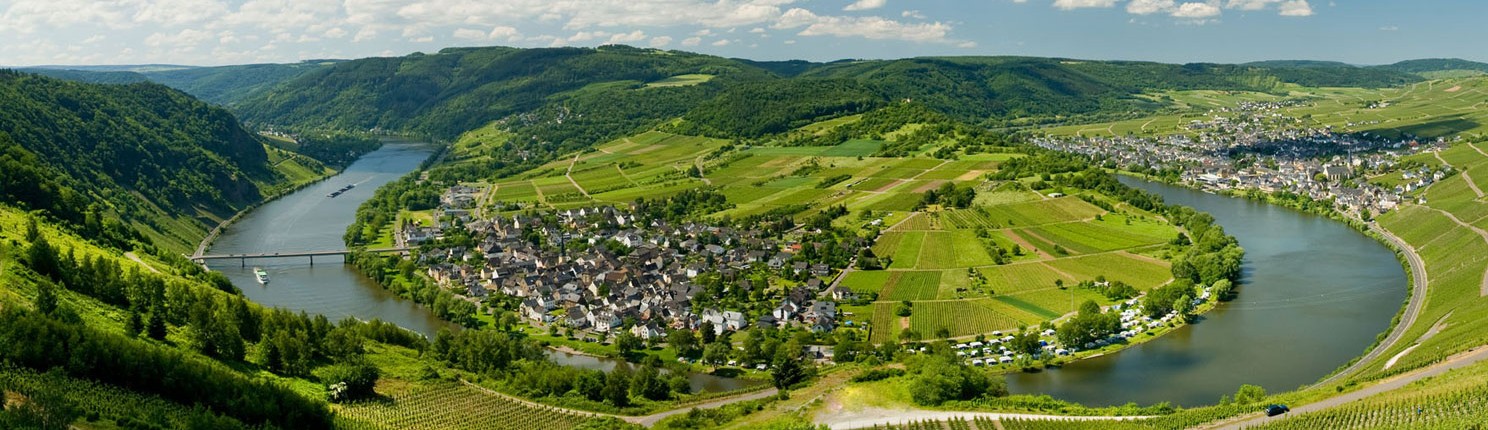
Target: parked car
<point x="1274" y="410"/>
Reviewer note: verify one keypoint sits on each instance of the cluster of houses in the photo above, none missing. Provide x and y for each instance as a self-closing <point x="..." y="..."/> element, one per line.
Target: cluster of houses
<point x="604" y="269"/>
<point x="1262" y="149"/>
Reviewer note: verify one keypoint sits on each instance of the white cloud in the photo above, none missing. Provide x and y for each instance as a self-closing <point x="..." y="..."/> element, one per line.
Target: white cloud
<point x="912" y="14"/>
<point x="335" y="33"/>
<point x="1284" y="7"/>
<point x="1082" y="4"/>
<point x="1249" y="4"/>
<point x="585" y="36"/>
<point x="757" y="30"/>
<point x="868" y="27"/>
<point x="660" y="41"/>
<point x="1147" y="7"/>
<point x="1389" y="28"/>
<point x="1296" y="8"/>
<point x="865" y="5"/>
<point x="1196" y="11"/>
<point x="505" y="33"/>
<point x="470" y="34"/>
<point x="624" y="38"/>
<point x="692" y="41"/>
<point x="721" y="42"/>
<point x="178" y="12"/>
<point x="185" y="39"/>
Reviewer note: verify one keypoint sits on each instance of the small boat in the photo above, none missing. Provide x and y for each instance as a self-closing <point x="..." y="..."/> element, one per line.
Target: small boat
<point x="334" y="194"/>
<point x="263" y="277"/>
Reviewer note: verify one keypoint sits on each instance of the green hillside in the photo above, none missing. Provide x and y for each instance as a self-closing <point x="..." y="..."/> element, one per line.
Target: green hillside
<point x="458" y="89"/>
<point x="228" y="85"/>
<point x="127" y="162"/>
<point x="1439" y="67"/>
<point x="595" y="94"/>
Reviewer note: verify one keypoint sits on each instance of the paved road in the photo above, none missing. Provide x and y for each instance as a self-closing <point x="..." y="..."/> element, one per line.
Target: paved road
<point x="1412" y="308"/>
<point x="1458" y="361"/>
<point x="651" y="420"/>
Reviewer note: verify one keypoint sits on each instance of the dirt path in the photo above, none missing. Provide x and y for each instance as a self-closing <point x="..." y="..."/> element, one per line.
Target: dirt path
<point x="902" y="221"/>
<point x="1060" y="272"/>
<point x="889" y="186"/>
<point x="569" y="174"/>
<point x="1026" y="245"/>
<point x="1455" y="362"/>
<point x="1483" y="289"/>
<point x="627" y="177"/>
<point x="1435" y="328"/>
<point x="1442" y="160"/>
<point x="1412" y="308"/>
<point x="651" y="420"/>
<point x="698" y="163"/>
<point x="1475" y="148"/>
<point x="871" y="417"/>
<point x="130" y="255"/>
<point x="1471" y="184"/>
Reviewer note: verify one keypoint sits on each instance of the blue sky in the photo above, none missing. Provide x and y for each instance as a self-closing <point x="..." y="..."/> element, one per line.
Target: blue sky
<point x="214" y="32"/>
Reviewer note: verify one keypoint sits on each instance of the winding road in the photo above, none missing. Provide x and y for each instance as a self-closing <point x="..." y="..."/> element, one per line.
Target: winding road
<point x="1455" y="362"/>
<point x="1412" y="308"/>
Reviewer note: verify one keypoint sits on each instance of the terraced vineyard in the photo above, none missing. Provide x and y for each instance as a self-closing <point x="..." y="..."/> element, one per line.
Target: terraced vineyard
<point x="1021" y="243"/>
<point x="1445" y="232"/>
<point x="1429" y="109"/>
<point x="452" y="405"/>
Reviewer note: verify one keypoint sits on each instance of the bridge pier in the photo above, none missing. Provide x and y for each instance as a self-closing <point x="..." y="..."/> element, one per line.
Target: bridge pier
<point x="312" y="261"/>
<point x="243" y="262"/>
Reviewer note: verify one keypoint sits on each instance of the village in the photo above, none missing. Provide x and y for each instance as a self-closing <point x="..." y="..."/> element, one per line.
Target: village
<point x="601" y="270"/>
<point x="1262" y="150"/>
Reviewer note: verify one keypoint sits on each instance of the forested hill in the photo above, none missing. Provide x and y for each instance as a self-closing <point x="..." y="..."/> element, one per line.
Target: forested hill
<point x="222" y="85"/>
<point x="228" y="85"/>
<point x="597" y="93"/>
<point x="459" y="89"/>
<point x="1430" y="66"/>
<point x="165" y="163"/>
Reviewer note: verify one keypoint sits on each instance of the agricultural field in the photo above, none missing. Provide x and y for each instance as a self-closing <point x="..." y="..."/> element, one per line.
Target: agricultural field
<point x="680" y="81"/>
<point x="930" y="253"/>
<point x="910" y="285"/>
<point x="452" y="405"/>
<point x="1438" y="108"/>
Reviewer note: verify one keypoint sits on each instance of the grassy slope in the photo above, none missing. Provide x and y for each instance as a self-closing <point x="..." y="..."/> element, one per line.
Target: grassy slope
<point x="1439" y="108"/>
<point x="1456" y="258"/>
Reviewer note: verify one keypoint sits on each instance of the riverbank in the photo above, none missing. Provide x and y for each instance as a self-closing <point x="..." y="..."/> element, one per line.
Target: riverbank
<point x="211" y="238"/>
<point x="1411" y="262"/>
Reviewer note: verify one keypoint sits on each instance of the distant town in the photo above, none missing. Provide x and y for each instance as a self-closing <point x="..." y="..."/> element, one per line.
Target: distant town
<point x="1254" y="147"/>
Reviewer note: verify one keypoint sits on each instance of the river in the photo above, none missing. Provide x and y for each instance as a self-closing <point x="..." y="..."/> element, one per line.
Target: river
<point x="308" y="220"/>
<point x="1314" y="294"/>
